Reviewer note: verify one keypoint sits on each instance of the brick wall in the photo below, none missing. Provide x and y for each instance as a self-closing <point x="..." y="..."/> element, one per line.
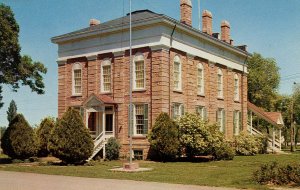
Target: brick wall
<point x="159" y="93"/>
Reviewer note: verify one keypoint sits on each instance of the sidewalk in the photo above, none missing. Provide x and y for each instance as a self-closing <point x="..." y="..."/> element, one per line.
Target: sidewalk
<point x="31" y="181"/>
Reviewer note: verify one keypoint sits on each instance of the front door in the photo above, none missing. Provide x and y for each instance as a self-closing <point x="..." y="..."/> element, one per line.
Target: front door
<point x="109" y="124"/>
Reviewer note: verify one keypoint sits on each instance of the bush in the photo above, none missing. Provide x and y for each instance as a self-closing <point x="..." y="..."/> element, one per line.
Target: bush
<point x="275" y="174"/>
<point x="44" y="135"/>
<point x="112" y="149"/>
<point x="262" y="142"/>
<point x="163" y="138"/>
<point x="71" y="141"/>
<point x="19" y="140"/>
<point x="246" y="144"/>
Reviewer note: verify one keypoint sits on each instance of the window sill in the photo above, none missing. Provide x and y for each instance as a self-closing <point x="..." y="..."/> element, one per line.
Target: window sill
<point x="178" y="91"/>
<point x="76" y="95"/>
<point x="106" y="93"/>
<point x="139" y="90"/>
<point x="220" y="98"/>
<point x="139" y="137"/>
<point x="202" y="95"/>
<point x="237" y="101"/>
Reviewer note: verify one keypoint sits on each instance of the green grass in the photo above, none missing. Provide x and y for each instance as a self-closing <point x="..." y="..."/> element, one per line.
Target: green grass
<point x="236" y="173"/>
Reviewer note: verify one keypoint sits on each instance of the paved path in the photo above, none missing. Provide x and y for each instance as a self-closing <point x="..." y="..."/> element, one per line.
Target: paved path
<point x="31" y="181"/>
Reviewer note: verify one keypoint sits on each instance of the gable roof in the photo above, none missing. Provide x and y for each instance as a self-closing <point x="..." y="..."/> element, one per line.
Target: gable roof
<point x="141" y="17"/>
<point x="98" y="100"/>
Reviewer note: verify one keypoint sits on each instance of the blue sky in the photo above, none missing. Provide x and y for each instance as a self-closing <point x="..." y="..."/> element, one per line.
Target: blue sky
<point x="270" y="27"/>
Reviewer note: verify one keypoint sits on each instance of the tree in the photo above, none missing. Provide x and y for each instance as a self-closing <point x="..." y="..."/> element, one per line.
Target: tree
<point x="14" y="68"/>
<point x="19" y="140"/>
<point x="71" y="141"/>
<point x="263" y="81"/>
<point x="163" y="137"/>
<point x="12" y="111"/>
<point x="44" y="135"/>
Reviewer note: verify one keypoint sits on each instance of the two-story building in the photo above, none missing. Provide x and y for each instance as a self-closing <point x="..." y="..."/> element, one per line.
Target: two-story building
<point x="176" y="69"/>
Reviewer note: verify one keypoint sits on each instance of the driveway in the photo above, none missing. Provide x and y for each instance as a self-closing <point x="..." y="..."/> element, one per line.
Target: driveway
<point x="31" y="181"/>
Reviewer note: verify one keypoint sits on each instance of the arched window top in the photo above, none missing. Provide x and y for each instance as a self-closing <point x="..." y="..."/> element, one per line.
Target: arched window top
<point x="177" y="59"/>
<point x="200" y="66"/>
<point x="77" y="66"/>
<point x="236" y="77"/>
<point x="220" y="72"/>
<point x="138" y="57"/>
<point x="106" y="62"/>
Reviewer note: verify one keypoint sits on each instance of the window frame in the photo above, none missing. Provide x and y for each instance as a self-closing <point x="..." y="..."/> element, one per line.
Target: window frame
<point x="177" y="60"/>
<point x="105" y="63"/>
<point x="200" y="87"/>
<point x="180" y="110"/>
<point x="138" y="57"/>
<point x="237" y="122"/>
<point x="145" y="119"/>
<point x="77" y="66"/>
<point x="202" y="113"/>
<point x="222" y="122"/>
<point x="220" y="84"/>
<point x="236" y="87"/>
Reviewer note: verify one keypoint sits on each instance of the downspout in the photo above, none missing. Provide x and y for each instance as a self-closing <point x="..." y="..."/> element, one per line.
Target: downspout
<point x="169" y="60"/>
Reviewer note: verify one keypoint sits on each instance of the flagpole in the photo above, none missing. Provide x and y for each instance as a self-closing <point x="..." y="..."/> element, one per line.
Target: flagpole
<point x="130" y="90"/>
<point x="199" y="15"/>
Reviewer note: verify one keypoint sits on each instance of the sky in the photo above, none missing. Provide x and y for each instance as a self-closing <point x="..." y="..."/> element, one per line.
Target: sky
<point x="269" y="27"/>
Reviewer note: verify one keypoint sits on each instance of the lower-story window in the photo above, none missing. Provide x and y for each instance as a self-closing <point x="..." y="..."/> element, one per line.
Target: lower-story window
<point x="221" y="119"/>
<point x="138" y="154"/>
<point x="202" y="112"/>
<point x="140" y="119"/>
<point x="237" y="124"/>
<point x="177" y="110"/>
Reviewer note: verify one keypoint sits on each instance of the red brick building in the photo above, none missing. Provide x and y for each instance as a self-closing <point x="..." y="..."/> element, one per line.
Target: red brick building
<point x="176" y="69"/>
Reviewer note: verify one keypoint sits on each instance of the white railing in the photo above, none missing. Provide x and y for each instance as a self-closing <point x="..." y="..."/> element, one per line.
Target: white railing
<point x="99" y="143"/>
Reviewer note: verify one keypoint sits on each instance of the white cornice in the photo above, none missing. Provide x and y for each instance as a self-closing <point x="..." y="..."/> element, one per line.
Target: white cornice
<point x="159" y="47"/>
<point x="119" y="53"/>
<point x="91" y="57"/>
<point x="61" y="62"/>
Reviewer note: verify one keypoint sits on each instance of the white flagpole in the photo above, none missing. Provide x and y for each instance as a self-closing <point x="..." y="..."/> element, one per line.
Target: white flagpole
<point x="130" y="90"/>
<point x="199" y="14"/>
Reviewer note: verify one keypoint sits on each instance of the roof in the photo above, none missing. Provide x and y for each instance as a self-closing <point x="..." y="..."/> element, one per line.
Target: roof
<point x="98" y="99"/>
<point x="274" y="118"/>
<point x="141" y="17"/>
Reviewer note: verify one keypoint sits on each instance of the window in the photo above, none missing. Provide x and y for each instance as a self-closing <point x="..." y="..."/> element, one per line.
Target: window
<point x="76" y="79"/>
<point x="177" y="110"/>
<point x="138" y="154"/>
<point x="106" y="76"/>
<point x="220" y="83"/>
<point x="200" y="79"/>
<point x="202" y="112"/>
<point x="237" y="124"/>
<point x="139" y="72"/>
<point x="236" y="88"/>
<point x="140" y="119"/>
<point x="177" y="73"/>
<point x="221" y="119"/>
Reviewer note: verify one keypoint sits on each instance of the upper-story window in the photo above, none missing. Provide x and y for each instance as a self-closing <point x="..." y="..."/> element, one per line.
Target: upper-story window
<point x="106" y="76"/>
<point x="76" y="79"/>
<point x="139" y="72"/>
<point x="177" y="73"/>
<point x="200" y="79"/>
<point x="220" y="83"/>
<point x="236" y="88"/>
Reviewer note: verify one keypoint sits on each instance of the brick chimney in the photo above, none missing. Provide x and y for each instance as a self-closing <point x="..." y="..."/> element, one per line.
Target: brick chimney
<point x="207" y="22"/>
<point x="94" y="22"/>
<point x="225" y="31"/>
<point x="186" y="12"/>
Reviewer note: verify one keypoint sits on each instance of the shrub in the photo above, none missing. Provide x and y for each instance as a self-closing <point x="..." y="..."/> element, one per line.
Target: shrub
<point x="71" y="141"/>
<point x="275" y="174"/>
<point x="218" y="146"/>
<point x="44" y="135"/>
<point x="19" y="140"/>
<point x="246" y="144"/>
<point x="112" y="149"/>
<point x="262" y="142"/>
<point x="163" y="137"/>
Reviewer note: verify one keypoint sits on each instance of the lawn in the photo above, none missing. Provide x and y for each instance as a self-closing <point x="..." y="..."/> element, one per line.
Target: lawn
<point x="235" y="173"/>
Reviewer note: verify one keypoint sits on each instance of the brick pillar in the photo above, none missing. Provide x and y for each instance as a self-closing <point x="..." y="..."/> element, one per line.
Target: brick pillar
<point x="191" y="84"/>
<point x="244" y="100"/>
<point x="229" y="102"/>
<point x="212" y="107"/>
<point x="61" y="87"/>
<point x="186" y="12"/>
<point x="93" y="74"/>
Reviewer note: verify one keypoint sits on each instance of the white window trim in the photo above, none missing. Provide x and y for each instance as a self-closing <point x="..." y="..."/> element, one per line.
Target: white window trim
<point x="221" y="123"/>
<point x="202" y="114"/>
<point x="236" y="122"/>
<point x="177" y="60"/>
<point x="106" y="62"/>
<point x="201" y="90"/>
<point x="134" y="121"/>
<point x="138" y="57"/>
<point x="76" y="66"/>
<point x="236" y="88"/>
<point x="221" y="95"/>
<point x="181" y="106"/>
